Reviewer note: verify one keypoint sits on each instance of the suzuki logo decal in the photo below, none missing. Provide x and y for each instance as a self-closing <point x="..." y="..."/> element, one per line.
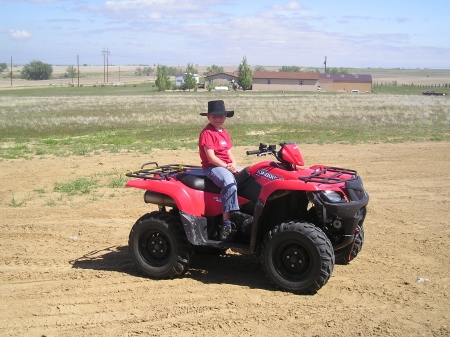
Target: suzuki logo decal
<point x="267" y="175"/>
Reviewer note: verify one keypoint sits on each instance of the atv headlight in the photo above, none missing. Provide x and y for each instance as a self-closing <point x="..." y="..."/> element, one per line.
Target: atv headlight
<point x="332" y="196"/>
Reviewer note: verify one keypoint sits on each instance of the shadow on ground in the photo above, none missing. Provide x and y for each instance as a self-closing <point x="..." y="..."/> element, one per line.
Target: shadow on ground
<point x="242" y="270"/>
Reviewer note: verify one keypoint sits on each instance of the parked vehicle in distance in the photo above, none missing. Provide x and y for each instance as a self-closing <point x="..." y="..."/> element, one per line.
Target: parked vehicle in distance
<point x="433" y="93"/>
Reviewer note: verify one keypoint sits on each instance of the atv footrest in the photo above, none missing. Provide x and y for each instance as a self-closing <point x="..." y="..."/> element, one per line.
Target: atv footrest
<point x="243" y="247"/>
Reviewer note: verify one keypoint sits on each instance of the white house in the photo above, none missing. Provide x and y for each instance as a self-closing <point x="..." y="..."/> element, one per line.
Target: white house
<point x="179" y="79"/>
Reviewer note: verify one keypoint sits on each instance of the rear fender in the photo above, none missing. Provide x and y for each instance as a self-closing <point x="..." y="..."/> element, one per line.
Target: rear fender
<point x="186" y="200"/>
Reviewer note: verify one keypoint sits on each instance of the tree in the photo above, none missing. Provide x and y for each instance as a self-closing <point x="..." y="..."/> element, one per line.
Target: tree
<point x="3" y="67"/>
<point x="337" y="71"/>
<point x="36" y="70"/>
<point x="162" y="79"/>
<point x="147" y="71"/>
<point x="189" y="82"/>
<point x="259" y="68"/>
<point x="290" y="69"/>
<point x="190" y="69"/>
<point x="245" y="79"/>
<point x="71" y="72"/>
<point x="172" y="71"/>
<point x="214" y="69"/>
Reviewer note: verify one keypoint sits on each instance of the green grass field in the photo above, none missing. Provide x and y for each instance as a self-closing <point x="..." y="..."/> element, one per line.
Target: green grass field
<point x="87" y="120"/>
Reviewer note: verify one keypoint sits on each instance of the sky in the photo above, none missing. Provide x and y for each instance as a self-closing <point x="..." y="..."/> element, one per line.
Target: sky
<point x="350" y="34"/>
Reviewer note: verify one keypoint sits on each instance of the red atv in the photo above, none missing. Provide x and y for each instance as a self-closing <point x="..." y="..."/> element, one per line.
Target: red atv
<point x="300" y="220"/>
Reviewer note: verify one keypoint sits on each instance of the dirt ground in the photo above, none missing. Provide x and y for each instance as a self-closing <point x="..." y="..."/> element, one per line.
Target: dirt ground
<point x="65" y="269"/>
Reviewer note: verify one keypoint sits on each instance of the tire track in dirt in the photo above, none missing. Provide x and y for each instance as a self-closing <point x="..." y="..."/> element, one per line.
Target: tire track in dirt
<point x="54" y="285"/>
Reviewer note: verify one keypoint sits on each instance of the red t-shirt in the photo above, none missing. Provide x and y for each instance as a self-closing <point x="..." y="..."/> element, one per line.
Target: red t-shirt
<point x="217" y="140"/>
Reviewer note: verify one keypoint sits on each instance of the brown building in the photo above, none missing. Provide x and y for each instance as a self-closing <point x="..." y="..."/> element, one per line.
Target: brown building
<point x="221" y="78"/>
<point x="345" y="82"/>
<point x="289" y="81"/>
<point x="298" y="81"/>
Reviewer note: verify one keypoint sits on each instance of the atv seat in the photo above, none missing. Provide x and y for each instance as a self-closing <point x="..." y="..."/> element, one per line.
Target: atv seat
<point x="197" y="180"/>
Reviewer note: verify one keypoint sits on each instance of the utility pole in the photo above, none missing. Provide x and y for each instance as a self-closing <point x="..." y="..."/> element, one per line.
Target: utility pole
<point x="11" y="70"/>
<point x="103" y="53"/>
<point x="325" y="63"/>
<point x="105" y="62"/>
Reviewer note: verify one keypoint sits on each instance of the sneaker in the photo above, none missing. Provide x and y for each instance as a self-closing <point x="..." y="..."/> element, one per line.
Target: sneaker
<point x="226" y="233"/>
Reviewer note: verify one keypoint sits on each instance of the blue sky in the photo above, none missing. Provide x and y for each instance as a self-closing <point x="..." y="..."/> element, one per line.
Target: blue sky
<point x="387" y="34"/>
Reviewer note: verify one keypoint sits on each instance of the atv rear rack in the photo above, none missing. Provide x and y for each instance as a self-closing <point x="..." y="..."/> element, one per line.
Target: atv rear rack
<point x="160" y="172"/>
<point x="321" y="176"/>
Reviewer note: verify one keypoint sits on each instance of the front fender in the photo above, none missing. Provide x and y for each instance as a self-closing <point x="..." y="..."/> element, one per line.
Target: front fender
<point x="289" y="185"/>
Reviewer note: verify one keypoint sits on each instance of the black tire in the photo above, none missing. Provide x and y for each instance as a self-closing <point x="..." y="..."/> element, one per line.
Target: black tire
<point x="298" y="257"/>
<point x="345" y="255"/>
<point x="159" y="246"/>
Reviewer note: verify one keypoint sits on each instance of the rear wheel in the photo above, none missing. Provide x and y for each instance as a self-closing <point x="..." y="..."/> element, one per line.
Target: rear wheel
<point x="159" y="246"/>
<point x="298" y="257"/>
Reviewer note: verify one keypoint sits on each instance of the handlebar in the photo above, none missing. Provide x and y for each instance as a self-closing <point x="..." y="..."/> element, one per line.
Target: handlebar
<point x="263" y="150"/>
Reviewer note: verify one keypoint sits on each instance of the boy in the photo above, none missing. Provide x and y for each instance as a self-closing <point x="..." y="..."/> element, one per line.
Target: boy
<point x="218" y="162"/>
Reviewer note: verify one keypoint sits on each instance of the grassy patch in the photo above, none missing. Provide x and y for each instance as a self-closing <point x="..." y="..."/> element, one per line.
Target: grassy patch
<point x="408" y="89"/>
<point x="86" y="125"/>
<point x="76" y="187"/>
<point x="84" y="91"/>
<point x="18" y="203"/>
<point x="117" y="181"/>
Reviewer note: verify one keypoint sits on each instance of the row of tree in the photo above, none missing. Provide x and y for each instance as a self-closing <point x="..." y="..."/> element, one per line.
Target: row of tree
<point x="37" y="70"/>
<point x="162" y="82"/>
<point x="172" y="71"/>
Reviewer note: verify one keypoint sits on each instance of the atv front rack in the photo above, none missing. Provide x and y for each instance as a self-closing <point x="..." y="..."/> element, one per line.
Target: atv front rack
<point x="160" y="172"/>
<point x="330" y="175"/>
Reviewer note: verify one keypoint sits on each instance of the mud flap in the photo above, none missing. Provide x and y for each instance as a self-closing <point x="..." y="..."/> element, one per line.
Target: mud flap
<point x="196" y="228"/>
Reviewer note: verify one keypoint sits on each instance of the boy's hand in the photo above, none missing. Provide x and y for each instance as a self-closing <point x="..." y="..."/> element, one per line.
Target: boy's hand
<point x="232" y="168"/>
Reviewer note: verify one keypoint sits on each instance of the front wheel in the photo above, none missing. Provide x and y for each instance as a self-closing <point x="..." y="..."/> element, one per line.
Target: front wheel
<point x="298" y="257"/>
<point x="159" y="246"/>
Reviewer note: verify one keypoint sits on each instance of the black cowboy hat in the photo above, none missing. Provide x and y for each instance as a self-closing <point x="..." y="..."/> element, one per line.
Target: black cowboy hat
<point x="217" y="108"/>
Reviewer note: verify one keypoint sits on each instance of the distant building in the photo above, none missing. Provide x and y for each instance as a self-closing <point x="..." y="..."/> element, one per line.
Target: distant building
<point x="289" y="81"/>
<point x="221" y="78"/>
<point x="179" y="79"/>
<point x="311" y="81"/>
<point x="345" y="82"/>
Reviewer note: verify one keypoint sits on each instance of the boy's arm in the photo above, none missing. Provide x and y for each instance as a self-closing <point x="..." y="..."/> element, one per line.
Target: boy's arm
<point x="213" y="159"/>
<point x="232" y="165"/>
<point x="230" y="155"/>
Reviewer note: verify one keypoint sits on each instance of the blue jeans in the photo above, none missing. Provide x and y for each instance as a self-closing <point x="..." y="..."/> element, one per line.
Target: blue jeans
<point x="226" y="181"/>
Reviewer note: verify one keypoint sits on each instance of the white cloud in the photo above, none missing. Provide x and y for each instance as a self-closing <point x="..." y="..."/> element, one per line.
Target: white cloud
<point x="19" y="35"/>
<point x="292" y="6"/>
<point x="163" y="5"/>
<point x="156" y="9"/>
